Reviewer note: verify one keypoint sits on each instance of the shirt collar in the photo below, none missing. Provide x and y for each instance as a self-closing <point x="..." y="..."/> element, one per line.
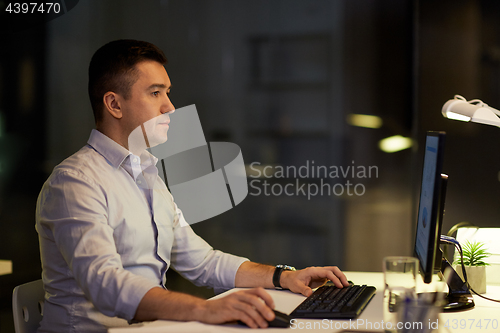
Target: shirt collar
<point x="114" y="152"/>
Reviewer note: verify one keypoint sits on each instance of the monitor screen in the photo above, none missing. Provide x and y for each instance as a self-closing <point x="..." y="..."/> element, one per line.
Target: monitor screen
<point x="428" y="221"/>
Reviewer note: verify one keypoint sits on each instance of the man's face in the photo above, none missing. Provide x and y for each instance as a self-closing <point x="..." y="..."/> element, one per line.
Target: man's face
<point x="146" y="110"/>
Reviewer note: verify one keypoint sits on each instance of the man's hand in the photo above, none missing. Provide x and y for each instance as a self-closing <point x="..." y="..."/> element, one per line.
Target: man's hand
<point x="253" y="307"/>
<point x="303" y="281"/>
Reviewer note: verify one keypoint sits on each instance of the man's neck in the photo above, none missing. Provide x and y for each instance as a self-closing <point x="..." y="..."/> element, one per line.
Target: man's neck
<point x="113" y="135"/>
<point x="134" y="142"/>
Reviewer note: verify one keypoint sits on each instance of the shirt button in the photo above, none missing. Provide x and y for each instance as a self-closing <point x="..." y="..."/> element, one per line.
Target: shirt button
<point x="139" y="182"/>
<point x="135" y="159"/>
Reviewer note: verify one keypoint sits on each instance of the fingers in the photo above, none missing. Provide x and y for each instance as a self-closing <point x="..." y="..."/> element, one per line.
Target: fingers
<point x="251" y="315"/>
<point x="264" y="295"/>
<point x="338" y="278"/>
<point x="255" y="307"/>
<point x="313" y="277"/>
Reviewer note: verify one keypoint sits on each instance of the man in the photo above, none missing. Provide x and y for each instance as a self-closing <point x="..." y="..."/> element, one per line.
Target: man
<point x="109" y="229"/>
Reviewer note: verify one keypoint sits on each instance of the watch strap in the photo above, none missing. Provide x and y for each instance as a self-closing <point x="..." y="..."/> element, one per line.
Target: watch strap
<point x="277" y="274"/>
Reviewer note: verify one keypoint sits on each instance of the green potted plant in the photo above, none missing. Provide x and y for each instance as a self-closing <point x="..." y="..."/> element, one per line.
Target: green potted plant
<point x="474" y="254"/>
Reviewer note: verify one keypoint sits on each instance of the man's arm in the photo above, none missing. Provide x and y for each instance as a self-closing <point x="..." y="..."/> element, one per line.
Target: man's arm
<point x="251" y="274"/>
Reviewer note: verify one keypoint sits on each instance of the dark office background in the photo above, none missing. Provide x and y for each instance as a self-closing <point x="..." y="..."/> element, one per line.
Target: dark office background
<point x="279" y="78"/>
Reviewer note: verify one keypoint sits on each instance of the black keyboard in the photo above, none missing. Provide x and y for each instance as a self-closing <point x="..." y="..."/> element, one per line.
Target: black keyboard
<point x="330" y="302"/>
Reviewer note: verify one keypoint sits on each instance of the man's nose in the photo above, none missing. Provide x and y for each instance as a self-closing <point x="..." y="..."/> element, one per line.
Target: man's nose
<point x="168" y="107"/>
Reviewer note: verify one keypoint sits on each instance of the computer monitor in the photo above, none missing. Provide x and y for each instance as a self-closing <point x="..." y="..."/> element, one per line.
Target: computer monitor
<point x="431" y="206"/>
<point x="429" y="224"/>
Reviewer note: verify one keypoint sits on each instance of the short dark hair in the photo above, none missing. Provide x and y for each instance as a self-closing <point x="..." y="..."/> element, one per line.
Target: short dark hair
<point x="112" y="68"/>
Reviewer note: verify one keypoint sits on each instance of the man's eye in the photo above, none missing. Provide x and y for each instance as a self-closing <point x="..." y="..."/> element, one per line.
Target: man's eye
<point x="156" y="93"/>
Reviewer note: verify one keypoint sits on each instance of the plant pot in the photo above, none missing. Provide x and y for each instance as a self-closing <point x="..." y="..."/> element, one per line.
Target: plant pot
<point x="476" y="275"/>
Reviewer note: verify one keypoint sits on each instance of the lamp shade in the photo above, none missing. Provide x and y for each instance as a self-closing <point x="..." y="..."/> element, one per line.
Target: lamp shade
<point x="475" y="110"/>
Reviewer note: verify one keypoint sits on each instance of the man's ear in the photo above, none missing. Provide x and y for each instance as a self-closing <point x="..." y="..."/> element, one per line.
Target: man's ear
<point x="112" y="105"/>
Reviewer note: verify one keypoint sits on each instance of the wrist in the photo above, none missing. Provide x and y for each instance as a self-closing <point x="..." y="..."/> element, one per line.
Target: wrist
<point x="284" y="278"/>
<point x="199" y="311"/>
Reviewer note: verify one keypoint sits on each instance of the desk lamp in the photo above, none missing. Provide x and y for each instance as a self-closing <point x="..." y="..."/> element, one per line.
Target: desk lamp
<point x="474" y="110"/>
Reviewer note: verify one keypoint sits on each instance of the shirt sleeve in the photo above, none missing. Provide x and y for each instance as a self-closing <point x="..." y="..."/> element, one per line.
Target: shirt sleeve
<point x="72" y="214"/>
<point x="198" y="262"/>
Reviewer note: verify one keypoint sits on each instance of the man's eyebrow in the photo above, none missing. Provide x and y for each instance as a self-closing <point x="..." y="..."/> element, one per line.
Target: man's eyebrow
<point x="159" y="86"/>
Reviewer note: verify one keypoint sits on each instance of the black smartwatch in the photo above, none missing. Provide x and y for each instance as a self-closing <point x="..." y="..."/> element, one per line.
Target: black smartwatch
<point x="277" y="274"/>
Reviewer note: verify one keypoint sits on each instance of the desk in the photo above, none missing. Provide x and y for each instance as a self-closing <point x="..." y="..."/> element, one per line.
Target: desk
<point x="286" y="301"/>
<point x="5" y="267"/>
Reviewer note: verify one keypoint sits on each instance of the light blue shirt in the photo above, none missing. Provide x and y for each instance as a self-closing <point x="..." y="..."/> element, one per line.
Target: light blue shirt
<point x="109" y="230"/>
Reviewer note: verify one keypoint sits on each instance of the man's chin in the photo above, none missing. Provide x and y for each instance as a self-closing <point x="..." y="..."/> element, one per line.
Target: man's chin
<point x="157" y="140"/>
